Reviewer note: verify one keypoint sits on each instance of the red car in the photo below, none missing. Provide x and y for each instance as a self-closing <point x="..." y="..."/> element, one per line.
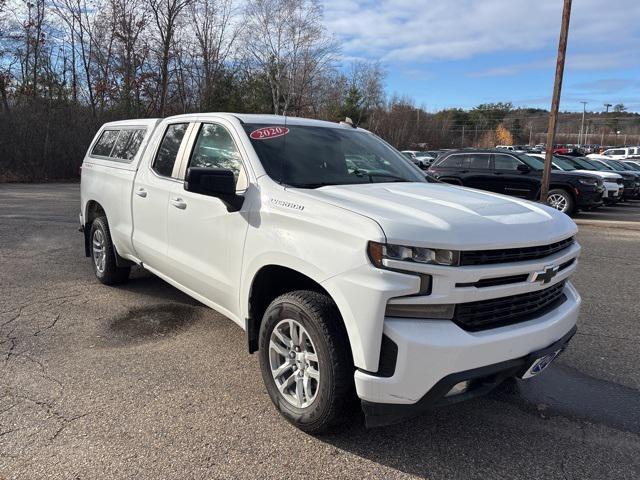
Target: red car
<point x="561" y="149"/>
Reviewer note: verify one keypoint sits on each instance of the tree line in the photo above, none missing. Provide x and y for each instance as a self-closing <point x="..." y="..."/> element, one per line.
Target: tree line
<point x="68" y="66"/>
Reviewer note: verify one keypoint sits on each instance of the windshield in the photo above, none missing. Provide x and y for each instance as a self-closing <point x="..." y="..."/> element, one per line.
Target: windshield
<point x="583" y="164"/>
<point x="633" y="166"/>
<point x="563" y="163"/>
<point x="312" y="157"/>
<point x="535" y="163"/>
<point x="600" y="166"/>
<point x="619" y="165"/>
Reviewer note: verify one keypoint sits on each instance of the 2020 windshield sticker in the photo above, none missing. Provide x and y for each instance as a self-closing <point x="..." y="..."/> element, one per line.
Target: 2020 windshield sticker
<point x="269" y="132"/>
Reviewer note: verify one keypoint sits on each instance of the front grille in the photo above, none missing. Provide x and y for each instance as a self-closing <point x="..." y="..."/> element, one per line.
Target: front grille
<point x="494" y="282"/>
<point x="486" y="257"/>
<point x="498" y="312"/>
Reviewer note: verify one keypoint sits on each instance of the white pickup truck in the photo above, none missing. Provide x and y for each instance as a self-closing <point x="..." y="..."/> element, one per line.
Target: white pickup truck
<point x="347" y="268"/>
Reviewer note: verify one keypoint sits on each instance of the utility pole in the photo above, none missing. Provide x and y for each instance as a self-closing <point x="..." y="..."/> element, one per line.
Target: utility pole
<point x="462" y="138"/>
<point x="580" y="138"/>
<point x="606" y="106"/>
<point x="555" y="102"/>
<point x="586" y="135"/>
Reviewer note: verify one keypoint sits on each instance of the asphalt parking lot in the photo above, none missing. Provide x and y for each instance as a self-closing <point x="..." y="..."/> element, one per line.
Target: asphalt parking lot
<point x="141" y="381"/>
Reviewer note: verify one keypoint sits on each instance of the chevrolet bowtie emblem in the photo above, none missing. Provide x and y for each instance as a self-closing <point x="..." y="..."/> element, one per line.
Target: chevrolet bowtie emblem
<point x="546" y="275"/>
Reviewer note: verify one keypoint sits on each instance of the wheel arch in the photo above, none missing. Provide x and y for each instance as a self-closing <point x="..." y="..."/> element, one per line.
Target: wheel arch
<point x="92" y="210"/>
<point x="269" y="282"/>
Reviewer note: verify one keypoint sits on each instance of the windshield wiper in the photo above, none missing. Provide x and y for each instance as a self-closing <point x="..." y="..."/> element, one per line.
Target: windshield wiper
<point x="312" y="185"/>
<point x="394" y="178"/>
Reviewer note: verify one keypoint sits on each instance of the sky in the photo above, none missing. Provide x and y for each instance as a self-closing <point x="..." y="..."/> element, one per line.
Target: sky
<point x="460" y="53"/>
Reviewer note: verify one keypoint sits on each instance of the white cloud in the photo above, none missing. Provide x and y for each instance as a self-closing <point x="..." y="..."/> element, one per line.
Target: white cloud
<point x="399" y="31"/>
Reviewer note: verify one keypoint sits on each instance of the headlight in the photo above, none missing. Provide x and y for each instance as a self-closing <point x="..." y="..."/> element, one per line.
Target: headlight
<point x="379" y="251"/>
<point x="588" y="181"/>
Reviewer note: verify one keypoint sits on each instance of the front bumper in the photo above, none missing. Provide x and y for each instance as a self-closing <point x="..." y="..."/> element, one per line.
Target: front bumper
<point x="587" y="199"/>
<point x="429" y="351"/>
<point x="481" y="380"/>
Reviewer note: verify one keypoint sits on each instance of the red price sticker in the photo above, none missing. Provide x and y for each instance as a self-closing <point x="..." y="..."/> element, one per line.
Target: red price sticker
<point x="269" y="132"/>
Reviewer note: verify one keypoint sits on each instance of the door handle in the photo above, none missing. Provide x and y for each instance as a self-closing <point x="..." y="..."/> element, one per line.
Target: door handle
<point x="178" y="203"/>
<point x="141" y="192"/>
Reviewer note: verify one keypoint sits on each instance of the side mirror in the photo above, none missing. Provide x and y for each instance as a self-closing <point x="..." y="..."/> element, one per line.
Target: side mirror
<point x="523" y="168"/>
<point x="214" y="182"/>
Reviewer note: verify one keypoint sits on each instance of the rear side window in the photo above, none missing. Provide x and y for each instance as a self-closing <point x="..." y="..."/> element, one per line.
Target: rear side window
<point x="453" y="161"/>
<point x="127" y="144"/>
<point x="168" y="151"/>
<point x="479" y="161"/>
<point x="105" y="143"/>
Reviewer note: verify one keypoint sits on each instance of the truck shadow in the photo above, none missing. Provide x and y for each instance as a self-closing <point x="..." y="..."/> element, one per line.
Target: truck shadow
<point x="147" y="284"/>
<point x="542" y="418"/>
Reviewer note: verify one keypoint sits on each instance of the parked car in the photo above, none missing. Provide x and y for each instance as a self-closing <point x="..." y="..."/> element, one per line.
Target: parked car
<point x="612" y="182"/>
<point x="562" y="149"/>
<point x="635" y="164"/>
<point x="630" y="179"/>
<point x="347" y="269"/>
<point x="518" y="175"/>
<point x="421" y="159"/>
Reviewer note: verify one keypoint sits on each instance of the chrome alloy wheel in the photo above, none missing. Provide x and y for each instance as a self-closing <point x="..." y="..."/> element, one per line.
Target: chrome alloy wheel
<point x="294" y="363"/>
<point x="558" y="202"/>
<point x="99" y="250"/>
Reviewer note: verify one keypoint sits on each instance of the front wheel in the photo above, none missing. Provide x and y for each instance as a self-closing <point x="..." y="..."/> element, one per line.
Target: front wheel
<point x="561" y="200"/>
<point x="305" y="360"/>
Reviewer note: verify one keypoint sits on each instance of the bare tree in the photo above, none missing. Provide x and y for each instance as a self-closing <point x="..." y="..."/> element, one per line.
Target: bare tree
<point x="166" y="14"/>
<point x="287" y="41"/>
<point x="215" y="34"/>
<point x="130" y="51"/>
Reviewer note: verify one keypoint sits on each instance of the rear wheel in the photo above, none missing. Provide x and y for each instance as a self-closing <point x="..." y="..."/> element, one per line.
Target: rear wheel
<point x="103" y="254"/>
<point x="561" y="200"/>
<point x="305" y="360"/>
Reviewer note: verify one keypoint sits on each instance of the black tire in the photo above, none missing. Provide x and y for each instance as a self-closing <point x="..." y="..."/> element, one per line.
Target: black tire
<point x="570" y="202"/>
<point x="319" y="316"/>
<point x="111" y="274"/>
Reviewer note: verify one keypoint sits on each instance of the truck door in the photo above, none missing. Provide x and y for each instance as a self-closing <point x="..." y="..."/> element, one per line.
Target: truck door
<point x="206" y="241"/>
<point x="150" y="200"/>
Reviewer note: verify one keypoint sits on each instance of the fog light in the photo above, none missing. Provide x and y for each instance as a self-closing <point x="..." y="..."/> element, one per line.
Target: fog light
<point x="458" y="388"/>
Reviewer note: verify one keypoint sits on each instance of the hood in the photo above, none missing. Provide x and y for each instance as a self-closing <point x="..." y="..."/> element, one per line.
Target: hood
<point x="440" y="215"/>
<point x="560" y="174"/>
<point x="607" y="176"/>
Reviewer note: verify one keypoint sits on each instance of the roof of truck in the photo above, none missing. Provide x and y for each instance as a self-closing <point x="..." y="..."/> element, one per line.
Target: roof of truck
<point x="266" y="119"/>
<point x="133" y="121"/>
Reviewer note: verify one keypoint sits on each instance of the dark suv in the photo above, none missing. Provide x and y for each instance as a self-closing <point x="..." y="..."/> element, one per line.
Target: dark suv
<point x="518" y="175"/>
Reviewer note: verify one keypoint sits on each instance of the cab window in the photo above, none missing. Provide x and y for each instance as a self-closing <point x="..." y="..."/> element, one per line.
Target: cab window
<point x="169" y="147"/>
<point x="215" y="148"/>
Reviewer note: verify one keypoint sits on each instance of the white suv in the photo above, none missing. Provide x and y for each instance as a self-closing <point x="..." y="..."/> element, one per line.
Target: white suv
<point x="346" y="267"/>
